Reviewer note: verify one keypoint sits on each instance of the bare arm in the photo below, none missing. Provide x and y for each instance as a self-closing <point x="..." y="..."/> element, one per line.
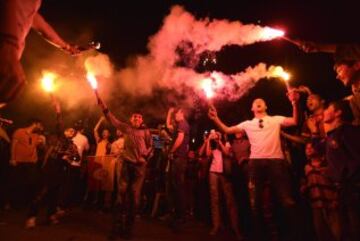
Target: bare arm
<point x="224" y="148"/>
<point x="293" y="138"/>
<point x="49" y="34"/>
<point x="169" y="124"/>
<point x="311" y="47"/>
<point x="292" y="121"/>
<point x="203" y="146"/>
<point x="207" y="147"/>
<point x="96" y="129"/>
<point x="14" y="143"/>
<point x="178" y="142"/>
<point x="224" y="128"/>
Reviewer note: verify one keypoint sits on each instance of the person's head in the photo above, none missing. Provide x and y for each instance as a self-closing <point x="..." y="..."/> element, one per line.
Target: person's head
<point x="179" y="115"/>
<point x="338" y="112"/>
<point x="355" y="83"/>
<point x="136" y="120"/>
<point x="69" y="132"/>
<point x="309" y="150"/>
<point x="259" y="106"/>
<point x="119" y="133"/>
<point x="79" y="126"/>
<point x="240" y="135"/>
<point x="35" y="125"/>
<point x="345" y="70"/>
<point x="314" y="102"/>
<point x="105" y="134"/>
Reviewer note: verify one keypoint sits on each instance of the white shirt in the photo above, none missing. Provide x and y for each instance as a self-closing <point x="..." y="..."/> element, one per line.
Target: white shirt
<point x="217" y="161"/>
<point x="265" y="141"/>
<point x="117" y="146"/>
<point x="82" y="144"/>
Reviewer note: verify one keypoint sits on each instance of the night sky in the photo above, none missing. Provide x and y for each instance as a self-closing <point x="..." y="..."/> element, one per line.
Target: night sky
<point x="123" y="28"/>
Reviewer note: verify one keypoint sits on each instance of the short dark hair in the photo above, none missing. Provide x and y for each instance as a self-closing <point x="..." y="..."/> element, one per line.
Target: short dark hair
<point x="33" y="121"/>
<point x="355" y="77"/>
<point x="346" y="112"/>
<point x="79" y="125"/>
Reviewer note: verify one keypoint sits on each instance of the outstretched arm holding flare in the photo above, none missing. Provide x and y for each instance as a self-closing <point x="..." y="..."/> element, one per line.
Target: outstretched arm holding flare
<point x="224" y="128"/>
<point x="110" y="116"/>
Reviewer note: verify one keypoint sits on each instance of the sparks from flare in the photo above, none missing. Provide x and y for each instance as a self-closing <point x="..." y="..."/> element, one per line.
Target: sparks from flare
<point x="48" y="81"/>
<point x="212" y="83"/>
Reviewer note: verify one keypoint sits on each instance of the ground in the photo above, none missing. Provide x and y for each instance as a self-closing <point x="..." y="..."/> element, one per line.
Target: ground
<point x="82" y="225"/>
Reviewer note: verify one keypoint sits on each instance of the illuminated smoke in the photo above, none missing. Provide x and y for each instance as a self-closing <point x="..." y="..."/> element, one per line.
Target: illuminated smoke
<point x="183" y="38"/>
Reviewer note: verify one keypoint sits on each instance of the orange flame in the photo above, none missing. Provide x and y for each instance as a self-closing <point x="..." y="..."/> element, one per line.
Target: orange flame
<point x="92" y="80"/>
<point x="279" y="72"/>
<point x="48" y="81"/>
<point x="271" y="33"/>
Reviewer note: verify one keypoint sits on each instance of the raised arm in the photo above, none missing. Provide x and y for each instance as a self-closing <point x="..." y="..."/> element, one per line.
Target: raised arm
<point x="202" y="149"/>
<point x="49" y="34"/>
<point x="111" y="118"/>
<point x="224" y="148"/>
<point x="59" y="121"/>
<point x="169" y="124"/>
<point x="294" y="98"/>
<point x="96" y="129"/>
<point x="224" y="128"/>
<point x="178" y="142"/>
<point x="312" y="47"/>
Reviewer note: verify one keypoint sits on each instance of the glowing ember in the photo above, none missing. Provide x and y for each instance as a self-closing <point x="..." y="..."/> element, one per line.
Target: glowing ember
<point x="279" y="72"/>
<point x="48" y="81"/>
<point x="271" y="33"/>
<point x="92" y="80"/>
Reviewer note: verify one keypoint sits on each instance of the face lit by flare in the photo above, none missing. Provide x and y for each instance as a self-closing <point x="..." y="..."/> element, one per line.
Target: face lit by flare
<point x="136" y="120"/>
<point x="259" y="106"/>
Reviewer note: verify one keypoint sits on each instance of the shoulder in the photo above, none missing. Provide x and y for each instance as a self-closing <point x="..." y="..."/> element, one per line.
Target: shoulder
<point x="276" y="118"/>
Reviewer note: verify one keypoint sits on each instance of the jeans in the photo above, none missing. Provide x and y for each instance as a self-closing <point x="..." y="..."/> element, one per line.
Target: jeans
<point x="273" y="173"/>
<point x="220" y="183"/>
<point x="176" y="187"/>
<point x="130" y="182"/>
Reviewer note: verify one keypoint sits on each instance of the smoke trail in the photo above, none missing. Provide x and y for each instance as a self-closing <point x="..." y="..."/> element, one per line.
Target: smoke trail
<point x="183" y="38"/>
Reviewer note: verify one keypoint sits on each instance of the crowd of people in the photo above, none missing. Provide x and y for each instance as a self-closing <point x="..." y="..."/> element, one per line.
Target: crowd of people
<point x="270" y="179"/>
<point x="273" y="173"/>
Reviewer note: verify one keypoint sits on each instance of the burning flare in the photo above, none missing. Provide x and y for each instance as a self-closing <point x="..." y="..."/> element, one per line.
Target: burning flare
<point x="212" y="83"/>
<point x="92" y="80"/>
<point x="270" y="33"/>
<point x="207" y="86"/>
<point x="279" y="72"/>
<point x="48" y="81"/>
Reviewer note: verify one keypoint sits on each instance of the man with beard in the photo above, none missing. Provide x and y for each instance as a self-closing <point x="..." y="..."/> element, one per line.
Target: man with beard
<point x="137" y="149"/>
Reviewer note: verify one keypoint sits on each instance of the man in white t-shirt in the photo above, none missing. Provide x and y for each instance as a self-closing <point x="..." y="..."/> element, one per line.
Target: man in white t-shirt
<point x="267" y="164"/>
